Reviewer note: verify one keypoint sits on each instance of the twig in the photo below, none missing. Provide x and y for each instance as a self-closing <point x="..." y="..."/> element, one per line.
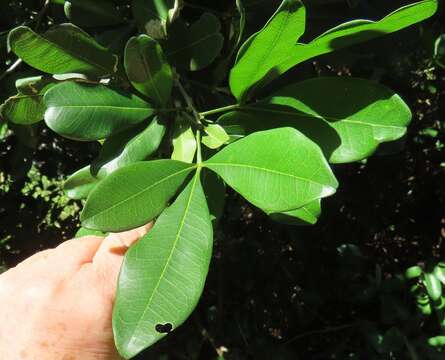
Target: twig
<point x="41" y="14"/>
<point x="189" y="101"/>
<point x="11" y="69"/>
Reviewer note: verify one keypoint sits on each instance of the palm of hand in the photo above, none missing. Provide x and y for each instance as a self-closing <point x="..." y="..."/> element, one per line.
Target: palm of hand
<point x="58" y="303"/>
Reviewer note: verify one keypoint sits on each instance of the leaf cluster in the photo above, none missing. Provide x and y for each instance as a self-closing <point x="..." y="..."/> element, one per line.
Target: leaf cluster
<point x="166" y="157"/>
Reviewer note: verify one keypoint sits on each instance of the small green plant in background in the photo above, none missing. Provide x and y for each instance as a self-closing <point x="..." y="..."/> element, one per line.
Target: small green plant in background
<point x="167" y="155"/>
<point x="427" y="286"/>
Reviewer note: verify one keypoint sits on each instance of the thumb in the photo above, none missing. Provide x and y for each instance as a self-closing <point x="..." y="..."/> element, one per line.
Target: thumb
<point x="108" y="258"/>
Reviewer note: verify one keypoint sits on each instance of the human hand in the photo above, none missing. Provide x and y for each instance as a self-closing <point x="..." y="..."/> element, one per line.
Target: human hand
<point x="57" y="304"/>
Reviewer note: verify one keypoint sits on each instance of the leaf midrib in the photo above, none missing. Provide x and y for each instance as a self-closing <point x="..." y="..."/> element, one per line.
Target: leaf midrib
<point x="138" y="193"/>
<point x="193" y="43"/>
<point x="189" y="200"/>
<point x="86" y="61"/>
<point x="268" y="170"/>
<point x="100" y="107"/>
<point x="321" y="117"/>
<point x="314" y="43"/>
<point x="266" y="54"/>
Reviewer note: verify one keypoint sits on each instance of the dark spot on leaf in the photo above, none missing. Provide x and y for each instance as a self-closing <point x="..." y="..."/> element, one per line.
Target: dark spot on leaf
<point x="164" y="328"/>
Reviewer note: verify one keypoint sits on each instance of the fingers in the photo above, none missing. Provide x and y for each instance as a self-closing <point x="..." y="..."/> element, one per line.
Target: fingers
<point x="108" y="258"/>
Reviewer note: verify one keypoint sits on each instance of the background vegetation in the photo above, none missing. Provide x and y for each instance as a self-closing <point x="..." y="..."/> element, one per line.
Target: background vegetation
<point x="336" y="290"/>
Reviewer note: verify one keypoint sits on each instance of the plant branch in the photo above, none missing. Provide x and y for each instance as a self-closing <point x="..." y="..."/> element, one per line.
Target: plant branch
<point x="220" y="110"/>
<point x="11" y="69"/>
<point x="41" y="14"/>
<point x="189" y="101"/>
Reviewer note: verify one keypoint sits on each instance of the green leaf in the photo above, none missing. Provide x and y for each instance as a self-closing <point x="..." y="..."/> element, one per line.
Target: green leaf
<point x="163" y="274"/>
<point x="244" y="76"/>
<point x="215" y="136"/>
<point x="33" y="85"/>
<point x="152" y="16"/>
<point x="95" y="13"/>
<point x="439" y="272"/>
<point x="133" y="195"/>
<point x="195" y="47"/>
<point x="148" y="70"/>
<point x="87" y="232"/>
<point x="79" y="185"/>
<point x="92" y="112"/>
<point x="128" y="147"/>
<point x="215" y="192"/>
<point x="23" y="109"/>
<point x="27" y="106"/>
<point x="184" y="142"/>
<point x="62" y="49"/>
<point x="260" y="53"/>
<point x="436" y="341"/>
<point x="433" y="286"/>
<point x="305" y="215"/>
<point x="413" y="272"/>
<point x="3" y="129"/>
<point x="276" y="170"/>
<point x="363" y="114"/>
<point x="347" y="117"/>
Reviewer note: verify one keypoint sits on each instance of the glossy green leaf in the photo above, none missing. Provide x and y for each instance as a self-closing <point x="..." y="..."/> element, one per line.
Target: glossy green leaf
<point x="215" y="136"/>
<point x="23" y="109"/>
<point x="79" y="185"/>
<point x="439" y="272"/>
<point x="347" y="117"/>
<point x="195" y="47"/>
<point x="289" y="53"/>
<point x="163" y="274"/>
<point x="134" y="195"/>
<point x="62" y="49"/>
<point x="92" y="112"/>
<point x="260" y="53"/>
<point x="152" y="16"/>
<point x="115" y="38"/>
<point x="87" y="13"/>
<point x="87" y="232"/>
<point x="363" y="114"/>
<point x="276" y="170"/>
<point x="27" y="107"/>
<point x="424" y="304"/>
<point x="128" y="147"/>
<point x="433" y="286"/>
<point x="148" y="70"/>
<point x="413" y="272"/>
<point x="184" y="142"/>
<point x="305" y="215"/>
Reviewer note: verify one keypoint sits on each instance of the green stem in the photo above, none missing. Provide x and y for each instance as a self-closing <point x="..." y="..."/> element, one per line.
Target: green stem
<point x="198" y="148"/>
<point x="220" y="110"/>
<point x="189" y="101"/>
<point x="167" y="110"/>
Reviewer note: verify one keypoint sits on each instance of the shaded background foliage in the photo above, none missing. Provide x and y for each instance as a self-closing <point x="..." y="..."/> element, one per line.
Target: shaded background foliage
<point x="331" y="291"/>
